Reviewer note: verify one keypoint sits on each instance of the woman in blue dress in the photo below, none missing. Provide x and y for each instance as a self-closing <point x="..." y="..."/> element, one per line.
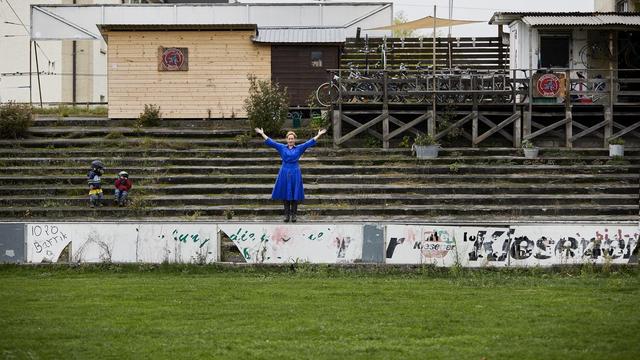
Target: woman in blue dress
<point x="288" y="187"/>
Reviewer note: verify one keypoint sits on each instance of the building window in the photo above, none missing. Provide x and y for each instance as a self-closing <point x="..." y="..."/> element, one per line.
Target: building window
<point x="316" y="59"/>
<point x="622" y="5"/>
<point x="554" y="50"/>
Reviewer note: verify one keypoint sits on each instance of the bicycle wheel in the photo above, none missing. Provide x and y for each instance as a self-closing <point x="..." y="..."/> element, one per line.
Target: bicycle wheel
<point x="327" y="94"/>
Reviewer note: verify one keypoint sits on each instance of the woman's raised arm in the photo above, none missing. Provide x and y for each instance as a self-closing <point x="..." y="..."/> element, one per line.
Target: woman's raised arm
<point x="261" y="132"/>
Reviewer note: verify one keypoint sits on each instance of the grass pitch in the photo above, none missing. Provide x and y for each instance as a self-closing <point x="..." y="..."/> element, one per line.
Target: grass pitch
<point x="317" y="312"/>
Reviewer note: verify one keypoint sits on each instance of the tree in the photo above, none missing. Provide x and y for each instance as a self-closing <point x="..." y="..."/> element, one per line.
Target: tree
<point x="401" y="18"/>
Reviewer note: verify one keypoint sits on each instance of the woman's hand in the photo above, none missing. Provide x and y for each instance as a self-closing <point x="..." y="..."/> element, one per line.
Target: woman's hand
<point x="261" y="133"/>
<point x="320" y="133"/>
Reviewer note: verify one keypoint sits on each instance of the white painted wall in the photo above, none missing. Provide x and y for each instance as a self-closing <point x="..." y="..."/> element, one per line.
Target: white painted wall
<point x="604" y="5"/>
<point x="440" y="245"/>
<point x="123" y="242"/>
<point x="525" y="47"/>
<point x="14" y="67"/>
<point x="518" y="246"/>
<point x="279" y="243"/>
<point x="85" y="18"/>
<point x="54" y="57"/>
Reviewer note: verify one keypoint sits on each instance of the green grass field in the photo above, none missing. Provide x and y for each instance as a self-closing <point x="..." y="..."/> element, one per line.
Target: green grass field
<point x="317" y="312"/>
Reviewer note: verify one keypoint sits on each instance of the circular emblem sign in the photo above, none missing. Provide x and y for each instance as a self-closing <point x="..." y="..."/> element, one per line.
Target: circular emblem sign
<point x="548" y="85"/>
<point x="172" y="59"/>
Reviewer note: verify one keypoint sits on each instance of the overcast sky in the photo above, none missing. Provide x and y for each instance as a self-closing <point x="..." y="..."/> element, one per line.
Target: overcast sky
<point x="480" y="10"/>
<point x="483" y="10"/>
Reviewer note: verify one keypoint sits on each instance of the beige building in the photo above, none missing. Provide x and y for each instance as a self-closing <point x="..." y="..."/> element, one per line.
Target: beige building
<point x="617" y="5"/>
<point x="192" y="71"/>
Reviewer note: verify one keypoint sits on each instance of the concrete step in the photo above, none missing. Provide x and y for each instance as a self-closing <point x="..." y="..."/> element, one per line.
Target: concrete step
<point x="612" y="187"/>
<point x="93" y="131"/>
<point x="86" y="121"/>
<point x="339" y="200"/>
<point x="20" y="159"/>
<point x="314" y="212"/>
<point x="263" y="151"/>
<point x="79" y="178"/>
<point x="308" y="168"/>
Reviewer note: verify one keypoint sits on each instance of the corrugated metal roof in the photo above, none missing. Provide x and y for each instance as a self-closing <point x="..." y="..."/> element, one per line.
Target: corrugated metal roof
<point x="173" y="27"/>
<point x="584" y="19"/>
<point x="581" y="20"/>
<point x="311" y="35"/>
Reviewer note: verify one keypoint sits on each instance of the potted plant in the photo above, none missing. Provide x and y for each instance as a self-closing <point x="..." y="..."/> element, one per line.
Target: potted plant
<point x="530" y="150"/>
<point x="616" y="147"/>
<point x="425" y="146"/>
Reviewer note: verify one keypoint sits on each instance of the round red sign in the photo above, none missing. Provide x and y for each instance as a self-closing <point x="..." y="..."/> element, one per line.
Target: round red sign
<point x="172" y="59"/>
<point x="548" y="85"/>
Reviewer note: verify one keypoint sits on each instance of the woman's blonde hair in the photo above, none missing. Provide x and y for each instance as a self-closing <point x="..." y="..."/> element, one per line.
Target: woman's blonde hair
<point x="292" y="133"/>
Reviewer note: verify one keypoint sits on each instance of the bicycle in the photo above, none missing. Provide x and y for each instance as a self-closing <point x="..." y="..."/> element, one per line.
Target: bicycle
<point x="587" y="93"/>
<point x="328" y="93"/>
<point x="594" y="52"/>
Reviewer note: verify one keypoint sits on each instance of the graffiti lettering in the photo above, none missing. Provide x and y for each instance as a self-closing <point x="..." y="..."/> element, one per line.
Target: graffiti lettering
<point x="48" y="243"/>
<point x="48" y="230"/>
<point x="246" y="235"/>
<point x="342" y="244"/>
<point x="392" y="246"/>
<point x="184" y="237"/>
<point x="483" y="246"/>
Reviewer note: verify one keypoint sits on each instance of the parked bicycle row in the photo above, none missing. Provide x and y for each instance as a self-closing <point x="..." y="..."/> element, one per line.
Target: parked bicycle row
<point x="458" y="86"/>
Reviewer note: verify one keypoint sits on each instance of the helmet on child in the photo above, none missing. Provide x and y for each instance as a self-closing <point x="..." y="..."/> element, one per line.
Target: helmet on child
<point x="97" y="164"/>
<point x="123" y="173"/>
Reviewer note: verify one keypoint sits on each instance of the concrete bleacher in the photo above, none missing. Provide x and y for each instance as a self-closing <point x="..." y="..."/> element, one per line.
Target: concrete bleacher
<point x="200" y="170"/>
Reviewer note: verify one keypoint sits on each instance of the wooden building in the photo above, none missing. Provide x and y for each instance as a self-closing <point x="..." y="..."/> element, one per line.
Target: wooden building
<point x="300" y="57"/>
<point x="213" y="85"/>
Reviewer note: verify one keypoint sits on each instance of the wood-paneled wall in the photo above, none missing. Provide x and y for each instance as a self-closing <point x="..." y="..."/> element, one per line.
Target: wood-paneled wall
<point x="219" y="63"/>
<point x="291" y="67"/>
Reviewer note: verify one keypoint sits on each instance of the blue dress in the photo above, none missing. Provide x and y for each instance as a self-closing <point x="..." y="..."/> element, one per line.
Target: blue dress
<point x="289" y="182"/>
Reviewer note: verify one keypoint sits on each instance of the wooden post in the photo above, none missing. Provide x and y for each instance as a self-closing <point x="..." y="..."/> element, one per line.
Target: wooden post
<point x="30" y="75"/>
<point x="517" y="125"/>
<point x="431" y="125"/>
<point x="474" y="130"/>
<point x="385" y="111"/>
<point x="526" y="130"/>
<point x="337" y="115"/>
<point x="567" y="109"/>
<point x="500" y="47"/>
<point x="608" y="110"/>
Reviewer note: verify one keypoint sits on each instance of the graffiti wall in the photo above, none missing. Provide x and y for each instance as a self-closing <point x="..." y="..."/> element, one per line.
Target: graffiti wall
<point x="551" y="245"/>
<point x="533" y="245"/>
<point x="413" y="244"/>
<point x="275" y="243"/>
<point x="468" y="246"/>
<point x="110" y="242"/>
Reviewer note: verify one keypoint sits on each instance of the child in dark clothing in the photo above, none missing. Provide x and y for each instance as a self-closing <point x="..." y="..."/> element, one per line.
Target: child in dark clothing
<point x="123" y="186"/>
<point x="95" y="190"/>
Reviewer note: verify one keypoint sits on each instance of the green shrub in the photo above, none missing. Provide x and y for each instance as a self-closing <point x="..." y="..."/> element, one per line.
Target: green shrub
<point x="319" y="121"/>
<point x="242" y="140"/>
<point x="616" y="141"/>
<point x="425" y="139"/>
<point x="267" y="105"/>
<point x="151" y="116"/>
<point x="15" y="120"/>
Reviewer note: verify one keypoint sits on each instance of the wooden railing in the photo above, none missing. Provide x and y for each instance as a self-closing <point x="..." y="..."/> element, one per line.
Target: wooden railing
<point x="516" y="92"/>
